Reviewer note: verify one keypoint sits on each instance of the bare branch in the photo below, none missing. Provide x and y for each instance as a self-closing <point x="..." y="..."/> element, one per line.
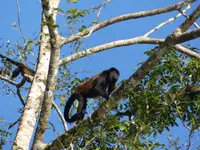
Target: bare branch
<point x="187" y="51"/>
<point x="184" y="14"/>
<point x="99" y="9"/>
<point x="19" y="25"/>
<point x="138" y="40"/>
<point x="186" y="36"/>
<point x="20" y="97"/>
<point x="60" y="115"/>
<point x="123" y="18"/>
<point x="14" y="123"/>
<point x="166" y="22"/>
<point x="189" y="140"/>
<point x="119" y="43"/>
<point x="181" y="118"/>
<point x="188" y="22"/>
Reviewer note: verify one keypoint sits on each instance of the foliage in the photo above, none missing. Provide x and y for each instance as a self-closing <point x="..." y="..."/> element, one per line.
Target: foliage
<point x="4" y="134"/>
<point x="154" y="106"/>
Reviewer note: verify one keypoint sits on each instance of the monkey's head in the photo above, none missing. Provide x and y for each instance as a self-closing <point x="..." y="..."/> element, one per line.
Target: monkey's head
<point x="113" y="74"/>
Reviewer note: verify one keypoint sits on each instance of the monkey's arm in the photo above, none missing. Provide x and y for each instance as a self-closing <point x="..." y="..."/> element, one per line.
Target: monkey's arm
<point x="101" y="90"/>
<point x="111" y="88"/>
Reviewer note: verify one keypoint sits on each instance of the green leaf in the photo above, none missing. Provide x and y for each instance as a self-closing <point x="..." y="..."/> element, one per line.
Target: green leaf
<point x="75" y="1"/>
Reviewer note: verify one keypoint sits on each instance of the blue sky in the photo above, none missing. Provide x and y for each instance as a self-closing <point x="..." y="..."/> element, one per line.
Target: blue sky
<point x="123" y="58"/>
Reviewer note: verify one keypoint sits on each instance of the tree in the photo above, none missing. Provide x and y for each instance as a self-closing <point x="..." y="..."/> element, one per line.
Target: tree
<point x="162" y="90"/>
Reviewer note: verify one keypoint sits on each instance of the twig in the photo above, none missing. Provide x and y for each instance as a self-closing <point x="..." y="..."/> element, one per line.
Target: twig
<point x="189" y="140"/>
<point x="180" y="116"/>
<point x="99" y="9"/>
<point x="88" y="142"/>
<point x="20" y="96"/>
<point x="166" y="22"/>
<point x="91" y="29"/>
<point x="19" y="25"/>
<point x="13" y="124"/>
<point x="184" y="14"/>
<point x="60" y="115"/>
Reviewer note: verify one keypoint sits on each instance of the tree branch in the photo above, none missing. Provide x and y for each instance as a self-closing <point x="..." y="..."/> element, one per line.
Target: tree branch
<point x="123" y="18"/>
<point x="189" y="21"/>
<point x="187" y="51"/>
<point x="36" y="93"/>
<point x="50" y="15"/>
<point x="60" y="115"/>
<point x="186" y="36"/>
<point x="166" y="22"/>
<point x="19" y="25"/>
<point x="137" y="40"/>
<point x="184" y="14"/>
<point x="99" y="9"/>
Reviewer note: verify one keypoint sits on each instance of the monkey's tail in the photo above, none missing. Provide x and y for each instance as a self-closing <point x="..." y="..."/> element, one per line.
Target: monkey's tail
<point x="67" y="108"/>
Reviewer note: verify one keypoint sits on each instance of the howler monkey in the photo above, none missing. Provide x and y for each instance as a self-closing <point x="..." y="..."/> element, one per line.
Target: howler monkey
<point x="21" y="68"/>
<point x="100" y="85"/>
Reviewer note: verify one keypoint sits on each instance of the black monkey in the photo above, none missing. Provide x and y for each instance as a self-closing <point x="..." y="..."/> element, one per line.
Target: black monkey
<point x="95" y="86"/>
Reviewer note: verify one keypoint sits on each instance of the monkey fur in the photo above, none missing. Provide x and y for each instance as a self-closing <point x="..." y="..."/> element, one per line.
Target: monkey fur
<point x="100" y="85"/>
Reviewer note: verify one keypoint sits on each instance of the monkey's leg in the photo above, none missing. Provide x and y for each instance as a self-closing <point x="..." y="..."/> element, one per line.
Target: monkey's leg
<point x="82" y="105"/>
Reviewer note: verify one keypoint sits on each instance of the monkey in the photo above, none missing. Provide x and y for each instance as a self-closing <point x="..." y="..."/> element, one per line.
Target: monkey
<point x="21" y="68"/>
<point x="101" y="84"/>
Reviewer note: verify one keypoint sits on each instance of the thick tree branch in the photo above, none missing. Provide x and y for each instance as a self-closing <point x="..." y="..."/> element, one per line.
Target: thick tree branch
<point x="184" y="14"/>
<point x="119" y="43"/>
<point x="35" y="96"/>
<point x="138" y="40"/>
<point x="116" y="96"/>
<point x="189" y="21"/>
<point x="186" y="36"/>
<point x="50" y="15"/>
<point x="125" y="17"/>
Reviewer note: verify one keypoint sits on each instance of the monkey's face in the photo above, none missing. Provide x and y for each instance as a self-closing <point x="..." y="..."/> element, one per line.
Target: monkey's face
<point x="114" y="75"/>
